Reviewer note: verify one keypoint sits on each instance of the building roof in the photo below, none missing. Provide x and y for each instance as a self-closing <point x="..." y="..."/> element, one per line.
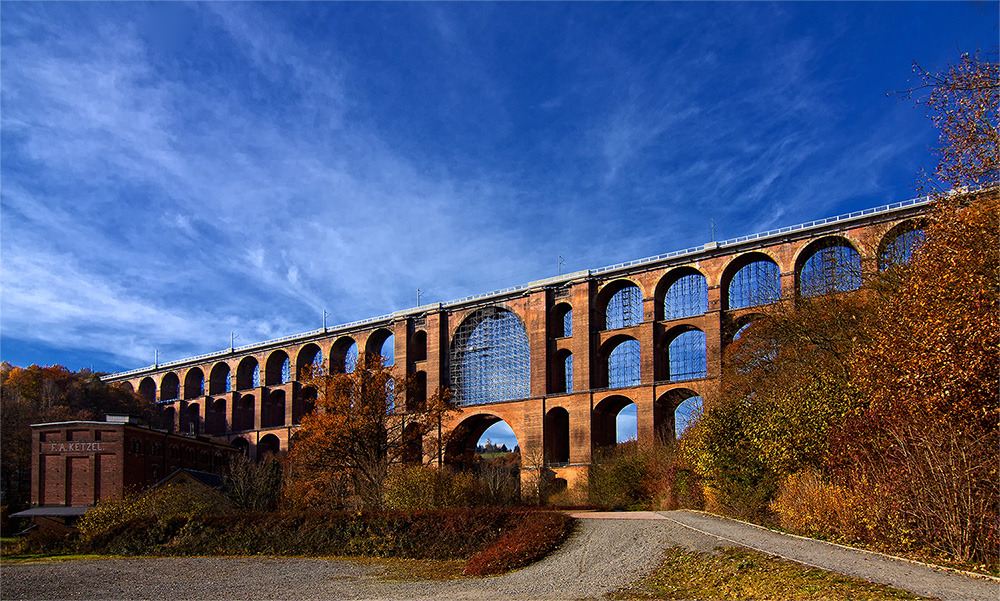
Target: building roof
<point x="207" y="478"/>
<point x="40" y="512"/>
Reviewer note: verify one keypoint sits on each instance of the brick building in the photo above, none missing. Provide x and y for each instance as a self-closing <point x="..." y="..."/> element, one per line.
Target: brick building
<point x="76" y="464"/>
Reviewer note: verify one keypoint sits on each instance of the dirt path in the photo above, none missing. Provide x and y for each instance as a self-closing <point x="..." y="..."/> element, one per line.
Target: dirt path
<point x="874" y="567"/>
<point x="608" y="551"/>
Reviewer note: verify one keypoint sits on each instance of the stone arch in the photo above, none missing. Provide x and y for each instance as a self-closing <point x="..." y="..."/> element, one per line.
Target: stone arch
<point x="170" y="387"/>
<point x="308" y="362"/>
<point x="490" y="358"/>
<point x="418" y="392"/>
<point x="215" y="418"/>
<point x="680" y="293"/>
<point x="686" y="355"/>
<point x="242" y="444"/>
<point x="272" y="411"/>
<point x="343" y="355"/>
<point x="244" y="408"/>
<point x="750" y="280"/>
<point x="557" y="435"/>
<point x="418" y="346"/>
<point x="303" y="404"/>
<point x="603" y="421"/>
<point x="460" y="448"/>
<point x="562" y="320"/>
<point x="828" y="265"/>
<point x="126" y="385"/>
<point x="248" y="374"/>
<point x="192" y="419"/>
<point x="561" y="372"/>
<point x="147" y="389"/>
<point x="269" y="444"/>
<point x="413" y="444"/>
<point x="194" y="383"/>
<point x="169" y="416"/>
<point x="619" y="305"/>
<point x="278" y="369"/>
<point x="899" y="243"/>
<point x="381" y="343"/>
<point x="620" y="362"/>
<point x="666" y="420"/>
<point x="219" y="381"/>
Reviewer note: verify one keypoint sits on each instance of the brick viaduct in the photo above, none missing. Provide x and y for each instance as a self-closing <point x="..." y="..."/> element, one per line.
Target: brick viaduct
<point x="588" y="344"/>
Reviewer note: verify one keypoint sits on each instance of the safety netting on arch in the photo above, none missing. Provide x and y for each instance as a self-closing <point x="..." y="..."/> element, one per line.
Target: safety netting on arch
<point x="490" y="358"/>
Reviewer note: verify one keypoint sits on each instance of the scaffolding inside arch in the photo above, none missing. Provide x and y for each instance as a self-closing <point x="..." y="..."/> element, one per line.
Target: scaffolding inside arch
<point x="490" y="358"/>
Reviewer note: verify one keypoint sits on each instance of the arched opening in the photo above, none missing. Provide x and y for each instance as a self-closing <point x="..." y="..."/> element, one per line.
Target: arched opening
<point x="147" y="390"/>
<point x="613" y="421"/>
<point x="272" y="412"/>
<point x="309" y="362"/>
<point x="685" y="293"/>
<point x="219" y="381"/>
<point x="562" y="320"/>
<point x="192" y="422"/>
<point x="242" y="444"/>
<point x="278" y="369"/>
<point x="418" y="346"/>
<point x="561" y="373"/>
<point x="687" y="354"/>
<point x="674" y="412"/>
<point x="472" y="436"/>
<point x="215" y="420"/>
<point x="413" y="444"/>
<point x="382" y="343"/>
<point x="557" y="436"/>
<point x="828" y="266"/>
<point x="304" y="404"/>
<point x="751" y="280"/>
<point x="125" y="386"/>
<point x="490" y="359"/>
<point x="418" y="393"/>
<point x="194" y="383"/>
<point x="620" y="305"/>
<point x="343" y="355"/>
<point x="247" y="374"/>
<point x="269" y="444"/>
<point x="243" y="412"/>
<point x="169" y="387"/>
<point x="169" y="416"/>
<point x="621" y="364"/>
<point x="899" y="244"/>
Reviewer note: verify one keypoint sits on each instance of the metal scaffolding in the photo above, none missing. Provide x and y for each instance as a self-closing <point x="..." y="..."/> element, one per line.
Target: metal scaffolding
<point x="490" y="358"/>
<point x="686" y="297"/>
<point x="625" y="308"/>
<point x="756" y="283"/>
<point x="624" y="365"/>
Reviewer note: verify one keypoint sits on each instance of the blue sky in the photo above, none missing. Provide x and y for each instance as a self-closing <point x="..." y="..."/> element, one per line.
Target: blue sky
<point x="175" y="172"/>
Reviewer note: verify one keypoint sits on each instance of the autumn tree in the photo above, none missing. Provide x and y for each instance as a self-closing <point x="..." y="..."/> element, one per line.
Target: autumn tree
<point x="360" y="428"/>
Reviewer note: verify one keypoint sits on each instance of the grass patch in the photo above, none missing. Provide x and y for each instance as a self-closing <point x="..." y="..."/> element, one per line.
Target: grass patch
<point x="48" y="557"/>
<point x="731" y="573"/>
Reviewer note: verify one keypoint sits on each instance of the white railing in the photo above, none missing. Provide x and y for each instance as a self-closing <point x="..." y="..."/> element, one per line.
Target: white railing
<point x="913" y="202"/>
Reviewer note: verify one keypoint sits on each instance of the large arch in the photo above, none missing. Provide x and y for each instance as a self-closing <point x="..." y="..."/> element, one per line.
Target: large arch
<point x="828" y="265"/>
<point x="219" y="381"/>
<point x="750" y="280"/>
<point x="170" y="387"/>
<point x="169" y="417"/>
<point x="899" y="243"/>
<point x="303" y="404"/>
<point x="308" y="362"/>
<point x="418" y="346"/>
<point x="247" y="374"/>
<point x="381" y="343"/>
<point x="343" y="355"/>
<point x="244" y="409"/>
<point x="686" y="354"/>
<point x="562" y="320"/>
<point x="680" y="293"/>
<point x="278" y="369"/>
<point x="194" y="383"/>
<point x="561" y="372"/>
<point x="192" y="419"/>
<point x="556" y="436"/>
<point x="620" y="363"/>
<point x="147" y="389"/>
<point x="490" y="358"/>
<point x="272" y="410"/>
<point x="460" y="448"/>
<point x="604" y="420"/>
<point x="619" y="305"/>
<point x="668" y="422"/>
<point x="242" y="444"/>
<point x="269" y="444"/>
<point x="215" y="417"/>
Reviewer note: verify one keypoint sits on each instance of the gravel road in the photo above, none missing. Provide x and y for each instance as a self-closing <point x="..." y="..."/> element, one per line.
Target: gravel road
<point x="607" y="552"/>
